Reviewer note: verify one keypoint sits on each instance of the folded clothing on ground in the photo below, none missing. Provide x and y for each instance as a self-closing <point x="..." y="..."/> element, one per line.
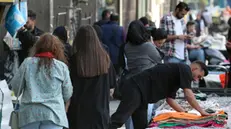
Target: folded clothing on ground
<point x="183" y="120"/>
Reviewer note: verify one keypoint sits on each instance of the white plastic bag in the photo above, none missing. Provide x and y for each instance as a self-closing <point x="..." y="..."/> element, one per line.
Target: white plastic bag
<point x="12" y="42"/>
<point x="7" y="105"/>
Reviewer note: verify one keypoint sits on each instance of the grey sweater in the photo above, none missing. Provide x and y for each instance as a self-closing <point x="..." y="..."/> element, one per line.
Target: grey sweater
<point x="142" y="57"/>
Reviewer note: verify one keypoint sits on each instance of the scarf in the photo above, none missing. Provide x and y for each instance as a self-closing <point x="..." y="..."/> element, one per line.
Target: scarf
<point x="45" y="54"/>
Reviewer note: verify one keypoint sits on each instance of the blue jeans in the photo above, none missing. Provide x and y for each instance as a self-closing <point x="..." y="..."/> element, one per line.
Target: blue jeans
<point x="42" y="125"/>
<point x="151" y="110"/>
<point x="197" y="55"/>
<point x="129" y="123"/>
<point x="173" y="60"/>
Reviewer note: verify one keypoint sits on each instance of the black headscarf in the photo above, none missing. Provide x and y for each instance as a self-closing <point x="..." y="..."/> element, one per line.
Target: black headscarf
<point x="100" y="36"/>
<point x="137" y="33"/>
<point x="99" y="32"/>
<point x="61" y="33"/>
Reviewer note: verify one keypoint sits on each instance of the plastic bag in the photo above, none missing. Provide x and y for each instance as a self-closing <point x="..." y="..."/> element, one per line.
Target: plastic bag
<point x="7" y="105"/>
<point x="14" y="20"/>
<point x="11" y="66"/>
<point x="12" y="42"/>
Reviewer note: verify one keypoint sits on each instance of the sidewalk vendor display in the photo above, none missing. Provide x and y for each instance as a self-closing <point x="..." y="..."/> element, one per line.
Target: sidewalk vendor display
<point x="166" y="117"/>
<point x="183" y="120"/>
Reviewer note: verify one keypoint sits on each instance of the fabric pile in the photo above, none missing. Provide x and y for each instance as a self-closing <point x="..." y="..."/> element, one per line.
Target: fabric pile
<point x="209" y="104"/>
<point x="198" y="95"/>
<point x="185" y="120"/>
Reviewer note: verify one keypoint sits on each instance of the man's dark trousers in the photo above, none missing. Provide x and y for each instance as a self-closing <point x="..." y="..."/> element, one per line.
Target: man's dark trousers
<point x="130" y="105"/>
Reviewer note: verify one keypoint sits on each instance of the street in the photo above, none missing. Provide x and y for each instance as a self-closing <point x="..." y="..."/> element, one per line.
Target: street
<point x="113" y="106"/>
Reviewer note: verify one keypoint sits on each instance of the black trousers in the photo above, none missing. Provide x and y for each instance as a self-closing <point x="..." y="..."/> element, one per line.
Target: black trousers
<point x="130" y="105"/>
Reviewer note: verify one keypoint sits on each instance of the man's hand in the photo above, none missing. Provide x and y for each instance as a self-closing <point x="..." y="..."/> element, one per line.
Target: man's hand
<point x="183" y="37"/>
<point x="204" y="113"/>
<point x="172" y="103"/>
<point x="197" y="47"/>
<point x="22" y="29"/>
<point x="193" y="46"/>
<point x="193" y="102"/>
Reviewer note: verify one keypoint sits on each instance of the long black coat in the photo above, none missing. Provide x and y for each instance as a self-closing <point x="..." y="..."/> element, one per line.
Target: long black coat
<point x="89" y="107"/>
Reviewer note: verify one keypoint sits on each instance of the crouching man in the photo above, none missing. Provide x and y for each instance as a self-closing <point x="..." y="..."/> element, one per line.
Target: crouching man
<point x="152" y="85"/>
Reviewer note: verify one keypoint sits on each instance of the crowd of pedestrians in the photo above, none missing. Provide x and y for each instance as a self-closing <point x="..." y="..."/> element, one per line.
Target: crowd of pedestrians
<point x="69" y="86"/>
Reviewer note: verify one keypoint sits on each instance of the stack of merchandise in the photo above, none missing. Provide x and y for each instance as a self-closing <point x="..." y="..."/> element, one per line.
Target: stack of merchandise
<point x="185" y="120"/>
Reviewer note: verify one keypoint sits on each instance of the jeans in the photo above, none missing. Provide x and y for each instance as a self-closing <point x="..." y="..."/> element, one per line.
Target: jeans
<point x="42" y="125"/>
<point x="129" y="123"/>
<point x="173" y="60"/>
<point x="151" y="111"/>
<point x="197" y="55"/>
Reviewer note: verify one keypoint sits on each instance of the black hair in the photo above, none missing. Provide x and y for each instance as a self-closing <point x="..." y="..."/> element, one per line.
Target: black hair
<point x="182" y="5"/>
<point x="158" y="34"/>
<point x="144" y="20"/>
<point x="203" y="67"/>
<point x="61" y="33"/>
<point x="32" y="14"/>
<point x="104" y="13"/>
<point x="114" y="17"/>
<point x="99" y="32"/>
<point x="190" y="23"/>
<point x="137" y="33"/>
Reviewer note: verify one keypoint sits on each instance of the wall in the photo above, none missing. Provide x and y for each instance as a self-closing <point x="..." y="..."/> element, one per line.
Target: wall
<point x="89" y="9"/>
<point x="42" y="8"/>
<point x="129" y="12"/>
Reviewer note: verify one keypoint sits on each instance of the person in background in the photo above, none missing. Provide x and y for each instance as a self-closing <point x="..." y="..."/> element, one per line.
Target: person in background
<point x="105" y="18"/>
<point x="206" y="15"/>
<point x="92" y="76"/>
<point x="228" y="47"/>
<point x="195" y="49"/>
<point x="62" y="33"/>
<point x="229" y="32"/>
<point x="173" y="23"/>
<point x="44" y="82"/>
<point x="154" y="84"/>
<point x="99" y="32"/>
<point x="159" y="37"/>
<point x="144" y="20"/>
<point x="28" y="35"/>
<point x="150" y="22"/>
<point x="113" y="37"/>
<point x="141" y="53"/>
<point x="200" y="25"/>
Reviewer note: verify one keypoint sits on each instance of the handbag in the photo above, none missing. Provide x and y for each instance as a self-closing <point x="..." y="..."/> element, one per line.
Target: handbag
<point x="14" y="117"/>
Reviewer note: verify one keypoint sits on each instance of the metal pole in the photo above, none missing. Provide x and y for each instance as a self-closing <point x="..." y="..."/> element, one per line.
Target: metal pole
<point x="51" y="15"/>
<point x="121" y="11"/>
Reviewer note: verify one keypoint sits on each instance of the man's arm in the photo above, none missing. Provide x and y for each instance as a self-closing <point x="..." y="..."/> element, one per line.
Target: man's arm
<point x="172" y="103"/>
<point x="189" y="95"/>
<point x="26" y="37"/>
<point x="163" y="25"/>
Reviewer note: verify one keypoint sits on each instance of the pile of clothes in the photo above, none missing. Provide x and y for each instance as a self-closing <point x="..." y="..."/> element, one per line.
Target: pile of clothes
<point x="166" y="117"/>
<point x="185" y="120"/>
